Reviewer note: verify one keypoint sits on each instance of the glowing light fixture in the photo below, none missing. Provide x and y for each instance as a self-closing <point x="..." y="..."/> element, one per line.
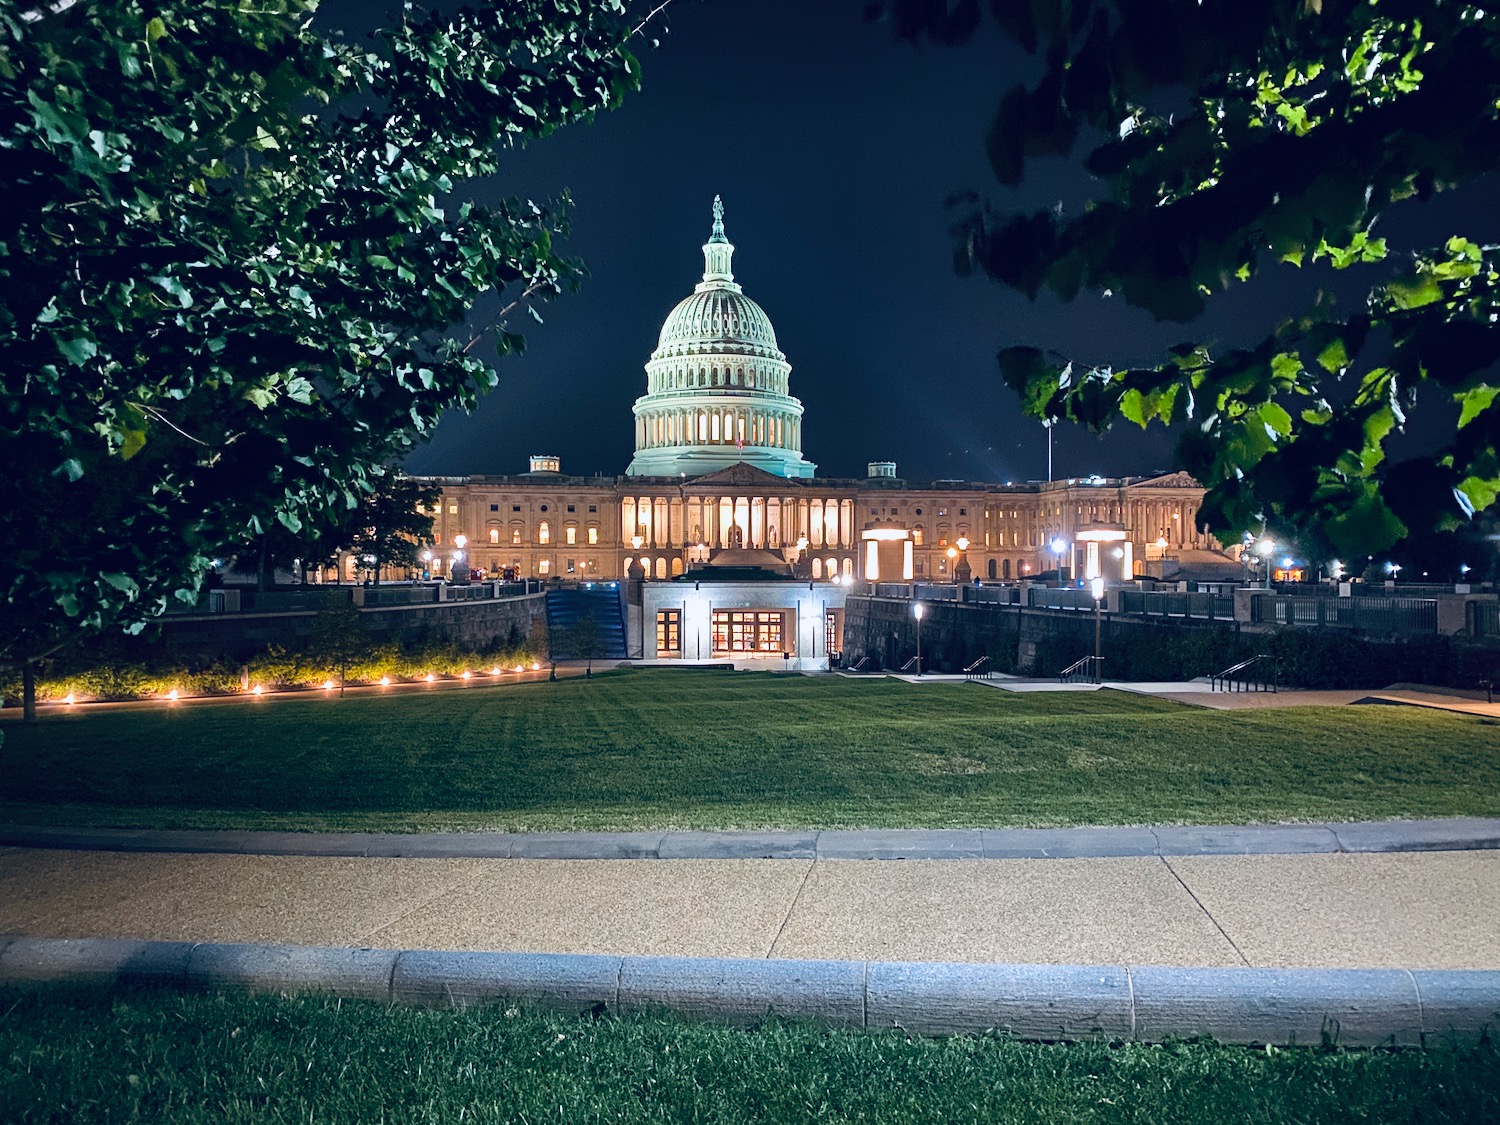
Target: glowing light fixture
<point x="69" y="698"/>
<point x="257" y="690"/>
<point x="520" y="667"/>
<point x="963" y="542"/>
<point x="536" y="666"/>
<point x="465" y="674"/>
<point x="495" y="671"/>
<point x="327" y="685"/>
<point x="429" y="677"/>
<point x="385" y="681"/>
<point x="172" y="695"/>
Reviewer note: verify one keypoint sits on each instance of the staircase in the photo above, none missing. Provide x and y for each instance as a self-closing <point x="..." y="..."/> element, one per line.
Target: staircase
<point x="567" y="606"/>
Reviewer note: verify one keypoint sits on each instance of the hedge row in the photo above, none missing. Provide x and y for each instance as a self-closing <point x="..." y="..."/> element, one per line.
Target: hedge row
<point x="118" y="676"/>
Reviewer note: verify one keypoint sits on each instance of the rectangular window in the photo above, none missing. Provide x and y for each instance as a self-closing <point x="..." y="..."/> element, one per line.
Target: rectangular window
<point x="593" y="536"/>
<point x="572" y="533"/>
<point x="593" y="508"/>
<point x="494" y="507"/>
<point x="453" y="509"/>
<point x="668" y="632"/>
<point x="572" y="566"/>
<point x="747" y="630"/>
<point x="831" y="633"/>
<point x="515" y="507"/>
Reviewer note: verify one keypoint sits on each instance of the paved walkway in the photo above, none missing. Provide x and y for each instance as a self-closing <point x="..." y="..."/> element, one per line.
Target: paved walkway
<point x="1317" y="909"/>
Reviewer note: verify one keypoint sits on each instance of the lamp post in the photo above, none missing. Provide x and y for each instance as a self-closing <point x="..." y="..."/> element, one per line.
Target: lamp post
<point x="1096" y="588"/>
<point x="1265" y="549"/>
<point x="961" y="570"/>
<point x="917" y="610"/>
<point x="1059" y="547"/>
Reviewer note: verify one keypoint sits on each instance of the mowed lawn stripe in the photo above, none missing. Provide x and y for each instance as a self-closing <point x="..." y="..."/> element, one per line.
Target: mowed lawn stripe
<point x="649" y="749"/>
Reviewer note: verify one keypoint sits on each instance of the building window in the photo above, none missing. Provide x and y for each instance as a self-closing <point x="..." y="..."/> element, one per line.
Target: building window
<point x="593" y="507"/>
<point x="593" y="536"/>
<point x="515" y="536"/>
<point x="544" y="567"/>
<point x="494" y="535"/>
<point x="494" y="507"/>
<point x="747" y="630"/>
<point x="544" y="507"/>
<point x="570" y="507"/>
<point x="543" y="532"/>
<point x="830" y="633"/>
<point x="453" y="509"/>
<point x="668" y="632"/>
<point x="572" y="566"/>
<point x="571" y="534"/>
<point x="515" y="507"/>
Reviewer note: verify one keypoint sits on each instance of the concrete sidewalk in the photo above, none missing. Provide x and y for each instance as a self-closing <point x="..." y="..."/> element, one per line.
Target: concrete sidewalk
<point x="1429" y="910"/>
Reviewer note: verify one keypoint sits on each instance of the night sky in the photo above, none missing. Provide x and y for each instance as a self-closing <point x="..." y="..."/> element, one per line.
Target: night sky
<point x="834" y="147"/>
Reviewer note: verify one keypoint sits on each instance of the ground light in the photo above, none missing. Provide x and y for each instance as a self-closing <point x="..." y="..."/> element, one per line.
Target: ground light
<point x="172" y="695"/>
<point x="385" y="681"/>
<point x="429" y="677"/>
<point x="257" y="690"/>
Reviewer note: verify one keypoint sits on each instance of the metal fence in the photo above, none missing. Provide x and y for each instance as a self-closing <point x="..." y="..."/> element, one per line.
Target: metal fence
<point x="1061" y="598"/>
<point x="1164" y="603"/>
<point x="1484" y="619"/>
<point x="1369" y="614"/>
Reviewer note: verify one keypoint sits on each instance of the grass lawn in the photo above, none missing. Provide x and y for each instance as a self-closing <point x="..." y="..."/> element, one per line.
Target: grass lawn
<point x="714" y="749"/>
<point x="183" y="1058"/>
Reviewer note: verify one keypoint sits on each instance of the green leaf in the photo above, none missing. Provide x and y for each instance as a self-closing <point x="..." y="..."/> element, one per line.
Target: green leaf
<point x="78" y="350"/>
<point x="1475" y="402"/>
<point x="156" y="28"/>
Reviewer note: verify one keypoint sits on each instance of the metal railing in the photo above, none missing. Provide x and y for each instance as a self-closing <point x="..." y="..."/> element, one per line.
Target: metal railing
<point x="861" y="664"/>
<point x="1370" y="614"/>
<point x="1089" y="670"/>
<point x="1165" y="603"/>
<point x="1483" y="619"/>
<point x="979" y="670"/>
<point x="1256" y="674"/>
<point x="909" y="665"/>
<point x="1062" y="598"/>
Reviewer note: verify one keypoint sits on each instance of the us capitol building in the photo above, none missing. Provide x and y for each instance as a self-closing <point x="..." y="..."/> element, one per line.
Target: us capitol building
<point x="719" y="477"/>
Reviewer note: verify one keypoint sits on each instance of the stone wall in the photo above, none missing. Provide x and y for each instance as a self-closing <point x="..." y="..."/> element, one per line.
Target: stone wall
<point x="1016" y="638"/>
<point x="471" y="624"/>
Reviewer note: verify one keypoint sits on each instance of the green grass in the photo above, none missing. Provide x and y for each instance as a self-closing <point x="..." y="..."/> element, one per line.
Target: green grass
<point x="707" y="749"/>
<point x="182" y="1058"/>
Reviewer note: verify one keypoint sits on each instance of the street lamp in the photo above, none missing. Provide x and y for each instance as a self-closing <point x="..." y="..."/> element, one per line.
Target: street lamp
<point x="917" y="610"/>
<point x="1265" y="549"/>
<point x="1096" y="588"/>
<point x="1059" y="547"/>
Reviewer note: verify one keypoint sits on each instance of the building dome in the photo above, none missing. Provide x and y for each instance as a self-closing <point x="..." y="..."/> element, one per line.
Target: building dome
<point x="716" y="385"/>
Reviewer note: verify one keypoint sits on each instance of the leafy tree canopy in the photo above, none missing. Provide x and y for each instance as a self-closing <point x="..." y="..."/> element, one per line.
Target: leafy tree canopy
<point x="231" y="258"/>
<point x="1231" y="140"/>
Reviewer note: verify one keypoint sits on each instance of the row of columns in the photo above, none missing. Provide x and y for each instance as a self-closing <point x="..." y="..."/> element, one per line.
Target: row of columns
<point x="672" y="428"/>
<point x="763" y="522"/>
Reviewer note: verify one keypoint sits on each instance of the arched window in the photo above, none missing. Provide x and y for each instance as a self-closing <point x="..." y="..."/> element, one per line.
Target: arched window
<point x="992" y="569"/>
<point x="544" y="567"/>
<point x="716" y="426"/>
<point x="544" y="532"/>
<point x="848" y="568"/>
<point x="676" y="567"/>
<point x="593" y="536"/>
<point x="916" y="536"/>
<point x="817" y="568"/>
<point x="570" y="533"/>
<point x="1007" y="568"/>
<point x="661" y="568"/>
<point x="494" y="535"/>
<point x="515" y="533"/>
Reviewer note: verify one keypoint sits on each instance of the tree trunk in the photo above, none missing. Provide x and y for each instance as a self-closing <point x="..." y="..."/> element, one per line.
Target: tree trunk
<point x="28" y="692"/>
<point x="262" y="571"/>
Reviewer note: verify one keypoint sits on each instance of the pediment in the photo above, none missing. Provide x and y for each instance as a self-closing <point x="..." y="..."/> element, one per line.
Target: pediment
<point x="740" y="475"/>
<point x="1168" y="480"/>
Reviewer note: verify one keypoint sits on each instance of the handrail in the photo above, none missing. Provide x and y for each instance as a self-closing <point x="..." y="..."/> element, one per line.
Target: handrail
<point x="907" y="667"/>
<point x="859" y="665"/>
<point x="1231" y="678"/>
<point x="980" y="669"/>
<point x="1090" y="669"/>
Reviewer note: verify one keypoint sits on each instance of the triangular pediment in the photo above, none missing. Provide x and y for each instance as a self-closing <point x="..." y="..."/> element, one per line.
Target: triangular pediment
<point x="1167" y="480"/>
<point x="740" y="475"/>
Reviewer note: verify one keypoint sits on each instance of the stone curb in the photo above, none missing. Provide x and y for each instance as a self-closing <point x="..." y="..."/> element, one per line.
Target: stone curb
<point x="1451" y="834"/>
<point x="1350" y="1007"/>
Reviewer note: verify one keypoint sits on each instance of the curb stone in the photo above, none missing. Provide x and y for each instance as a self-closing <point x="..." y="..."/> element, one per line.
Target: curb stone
<point x="1353" y="1007"/>
<point x="1451" y="834"/>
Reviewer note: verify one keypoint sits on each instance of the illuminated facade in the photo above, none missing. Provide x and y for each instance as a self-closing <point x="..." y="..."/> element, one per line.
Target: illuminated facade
<point x="718" y="467"/>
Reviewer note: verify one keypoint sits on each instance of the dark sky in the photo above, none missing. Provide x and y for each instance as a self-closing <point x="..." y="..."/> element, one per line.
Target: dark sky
<point x="833" y="147"/>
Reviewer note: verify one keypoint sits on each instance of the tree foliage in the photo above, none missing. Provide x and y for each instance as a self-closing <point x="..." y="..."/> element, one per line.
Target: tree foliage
<point x="1230" y="141"/>
<point x="234" y="253"/>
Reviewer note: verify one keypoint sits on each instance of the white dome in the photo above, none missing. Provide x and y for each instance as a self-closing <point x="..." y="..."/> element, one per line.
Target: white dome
<point x="717" y="318"/>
